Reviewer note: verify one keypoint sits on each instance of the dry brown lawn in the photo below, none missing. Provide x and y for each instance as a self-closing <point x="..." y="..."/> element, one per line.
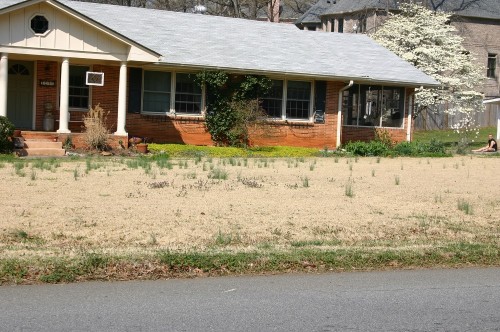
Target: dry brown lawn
<point x="263" y="203"/>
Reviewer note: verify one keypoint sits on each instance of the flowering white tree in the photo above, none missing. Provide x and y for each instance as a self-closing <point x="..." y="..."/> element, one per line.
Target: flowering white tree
<point x="426" y="39"/>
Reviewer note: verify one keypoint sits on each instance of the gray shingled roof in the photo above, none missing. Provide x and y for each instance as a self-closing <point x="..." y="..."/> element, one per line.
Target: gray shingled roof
<point x="200" y="41"/>
<point x="468" y="8"/>
<point x="312" y="15"/>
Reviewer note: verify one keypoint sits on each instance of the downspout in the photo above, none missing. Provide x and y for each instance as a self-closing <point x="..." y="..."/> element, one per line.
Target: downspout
<point x="410" y="114"/>
<point x="339" y="112"/>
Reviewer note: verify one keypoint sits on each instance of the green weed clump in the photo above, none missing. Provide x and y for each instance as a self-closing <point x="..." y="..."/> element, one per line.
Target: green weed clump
<point x="349" y="191"/>
<point x="218" y="174"/>
<point x="465" y="206"/>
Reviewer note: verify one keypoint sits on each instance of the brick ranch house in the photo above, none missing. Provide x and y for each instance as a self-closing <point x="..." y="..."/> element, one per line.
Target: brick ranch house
<point x="477" y="21"/>
<point x="65" y="56"/>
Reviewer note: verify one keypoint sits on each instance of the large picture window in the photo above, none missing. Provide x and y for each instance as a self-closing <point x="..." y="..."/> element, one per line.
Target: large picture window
<point x="78" y="90"/>
<point x="374" y="106"/>
<point x="156" y="94"/>
<point x="187" y="95"/>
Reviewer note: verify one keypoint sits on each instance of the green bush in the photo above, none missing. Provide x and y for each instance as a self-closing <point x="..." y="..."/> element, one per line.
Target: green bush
<point x="372" y="148"/>
<point x="434" y="148"/>
<point x="6" y="132"/>
<point x="232" y="105"/>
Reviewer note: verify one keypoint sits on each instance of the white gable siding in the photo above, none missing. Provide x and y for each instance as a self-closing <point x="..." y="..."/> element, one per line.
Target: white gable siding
<point x="66" y="33"/>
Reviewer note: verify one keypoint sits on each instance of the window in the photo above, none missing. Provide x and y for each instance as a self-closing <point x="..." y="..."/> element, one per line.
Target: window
<point x="341" y="25"/>
<point x="298" y="99"/>
<point x="156" y="94"/>
<point x="332" y="22"/>
<point x="18" y="69"/>
<point x="273" y="102"/>
<point x="78" y="90"/>
<point x="492" y="66"/>
<point x="362" y="24"/>
<point x="373" y="106"/>
<point x="39" y="24"/>
<point x="187" y="95"/>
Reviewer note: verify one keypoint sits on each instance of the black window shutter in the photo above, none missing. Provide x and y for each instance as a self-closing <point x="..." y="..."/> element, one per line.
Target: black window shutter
<point x="134" y="90"/>
<point x="320" y="96"/>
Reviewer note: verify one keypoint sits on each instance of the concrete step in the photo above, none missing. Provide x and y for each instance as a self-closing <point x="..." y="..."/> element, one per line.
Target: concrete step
<point x="39" y="152"/>
<point x="39" y="144"/>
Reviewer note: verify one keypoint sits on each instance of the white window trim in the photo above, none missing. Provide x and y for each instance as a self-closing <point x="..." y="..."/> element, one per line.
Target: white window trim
<point x="174" y="92"/>
<point x="173" y="86"/>
<point x="285" y="100"/>
<point x="32" y="31"/>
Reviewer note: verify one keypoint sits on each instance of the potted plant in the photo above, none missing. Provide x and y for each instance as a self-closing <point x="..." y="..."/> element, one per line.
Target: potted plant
<point x="142" y="147"/>
<point x="140" y="144"/>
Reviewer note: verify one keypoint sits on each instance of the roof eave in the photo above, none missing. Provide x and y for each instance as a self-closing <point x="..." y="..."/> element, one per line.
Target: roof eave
<point x="358" y="79"/>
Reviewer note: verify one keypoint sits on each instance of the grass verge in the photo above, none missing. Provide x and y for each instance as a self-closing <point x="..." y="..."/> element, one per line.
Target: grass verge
<point x="168" y="264"/>
<point x="450" y="138"/>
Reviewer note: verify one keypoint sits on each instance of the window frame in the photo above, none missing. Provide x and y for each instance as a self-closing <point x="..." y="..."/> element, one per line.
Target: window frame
<point x="340" y="25"/>
<point x="143" y="90"/>
<point x="172" y="95"/>
<point x="30" y="23"/>
<point x="88" y="88"/>
<point x="359" y="103"/>
<point x="285" y="99"/>
<point x="491" y="66"/>
<point x="173" y="109"/>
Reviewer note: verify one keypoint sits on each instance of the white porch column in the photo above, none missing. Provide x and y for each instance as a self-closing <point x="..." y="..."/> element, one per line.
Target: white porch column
<point x="64" y="98"/>
<point x="122" y="100"/>
<point x="410" y="111"/>
<point x="4" y="69"/>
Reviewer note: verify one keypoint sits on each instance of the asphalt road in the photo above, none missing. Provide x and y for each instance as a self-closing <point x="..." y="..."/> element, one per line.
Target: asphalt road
<point x="423" y="300"/>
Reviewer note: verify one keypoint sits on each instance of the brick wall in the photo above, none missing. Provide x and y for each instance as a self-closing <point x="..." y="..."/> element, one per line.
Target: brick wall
<point x="192" y="130"/>
<point x="317" y="135"/>
<point x="46" y="70"/>
<point x="107" y="95"/>
<point x="163" y="129"/>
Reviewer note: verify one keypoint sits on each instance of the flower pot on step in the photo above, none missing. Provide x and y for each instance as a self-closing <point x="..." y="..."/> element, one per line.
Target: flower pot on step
<point x="142" y="147"/>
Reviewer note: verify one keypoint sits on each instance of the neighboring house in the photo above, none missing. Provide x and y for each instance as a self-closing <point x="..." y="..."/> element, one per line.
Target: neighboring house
<point x="477" y="21"/>
<point x="137" y="64"/>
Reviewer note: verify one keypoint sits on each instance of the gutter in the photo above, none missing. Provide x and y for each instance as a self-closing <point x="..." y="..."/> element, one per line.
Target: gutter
<point x="316" y="76"/>
<point x="339" y="112"/>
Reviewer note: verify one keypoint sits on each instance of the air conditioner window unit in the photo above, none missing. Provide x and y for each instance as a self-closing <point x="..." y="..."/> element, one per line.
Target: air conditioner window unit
<point x="94" y="78"/>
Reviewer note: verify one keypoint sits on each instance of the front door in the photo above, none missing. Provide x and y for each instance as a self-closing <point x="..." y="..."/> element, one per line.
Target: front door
<point x="20" y="94"/>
